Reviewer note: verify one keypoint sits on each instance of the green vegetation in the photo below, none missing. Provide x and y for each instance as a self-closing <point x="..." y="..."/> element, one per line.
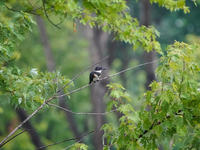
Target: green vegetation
<point x="168" y="112"/>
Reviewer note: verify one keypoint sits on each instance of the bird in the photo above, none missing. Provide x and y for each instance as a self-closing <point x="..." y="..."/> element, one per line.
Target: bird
<point x="94" y="75"/>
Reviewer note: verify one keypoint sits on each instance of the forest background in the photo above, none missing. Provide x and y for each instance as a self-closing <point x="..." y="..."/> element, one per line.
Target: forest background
<point x="66" y="50"/>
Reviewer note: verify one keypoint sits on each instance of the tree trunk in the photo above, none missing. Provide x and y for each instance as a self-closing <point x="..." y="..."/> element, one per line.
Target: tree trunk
<point x="46" y="45"/>
<point x="145" y="19"/>
<point x="97" y="49"/>
<point x="51" y="67"/>
<point x="35" y="138"/>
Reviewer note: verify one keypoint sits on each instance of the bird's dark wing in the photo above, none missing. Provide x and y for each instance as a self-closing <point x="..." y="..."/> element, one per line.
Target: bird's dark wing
<point x="91" y="77"/>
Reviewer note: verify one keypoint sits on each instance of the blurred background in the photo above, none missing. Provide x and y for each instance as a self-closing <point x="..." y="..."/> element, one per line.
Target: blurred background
<point x="71" y="50"/>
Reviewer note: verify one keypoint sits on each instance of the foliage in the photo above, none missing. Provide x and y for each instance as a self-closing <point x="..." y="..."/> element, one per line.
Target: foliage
<point x="173" y="5"/>
<point x="19" y="88"/>
<point x="12" y="33"/>
<point x="173" y="102"/>
<point x="28" y="89"/>
<point x="118" y="21"/>
<point x="79" y="146"/>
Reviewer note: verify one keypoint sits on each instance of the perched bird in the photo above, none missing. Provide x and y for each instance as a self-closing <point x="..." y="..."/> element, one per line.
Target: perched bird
<point x="94" y="75"/>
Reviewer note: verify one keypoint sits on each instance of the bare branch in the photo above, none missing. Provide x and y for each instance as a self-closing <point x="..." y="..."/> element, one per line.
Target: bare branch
<point x="144" y="64"/>
<point x="79" y="137"/>
<point x="147" y="63"/>
<point x="43" y="3"/>
<point x="11" y="133"/>
<point x="67" y="110"/>
<point x="30" y="11"/>
<point x="13" y="137"/>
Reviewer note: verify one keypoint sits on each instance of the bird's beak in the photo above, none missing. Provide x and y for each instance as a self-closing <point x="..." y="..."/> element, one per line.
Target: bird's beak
<point x="104" y="69"/>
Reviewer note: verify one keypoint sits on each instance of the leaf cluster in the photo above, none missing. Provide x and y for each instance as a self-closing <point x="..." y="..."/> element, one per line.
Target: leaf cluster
<point x="173" y="5"/>
<point x="79" y="146"/>
<point x="112" y="16"/>
<point x="173" y="102"/>
<point x="170" y="109"/>
<point x="11" y="33"/>
<point x="28" y="89"/>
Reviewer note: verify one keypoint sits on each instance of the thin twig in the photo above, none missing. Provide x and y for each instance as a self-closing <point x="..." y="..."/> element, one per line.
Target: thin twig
<point x="30" y="11"/>
<point x="11" y="133"/>
<point x="65" y="140"/>
<point x="74" y="90"/>
<point x="57" y="79"/>
<point x="43" y="3"/>
<point x="62" y="20"/>
<point x="182" y="79"/>
<point x="81" y="73"/>
<point x="72" y="145"/>
<point x="67" y="110"/>
<point x="147" y="63"/>
<point x="13" y="137"/>
<point x="153" y="125"/>
<point x="144" y="64"/>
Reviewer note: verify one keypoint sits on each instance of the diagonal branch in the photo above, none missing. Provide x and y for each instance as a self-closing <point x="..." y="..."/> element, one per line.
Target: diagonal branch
<point x="144" y="64"/>
<point x="67" y="110"/>
<point x="79" y="137"/>
<point x="154" y="124"/>
<point x="147" y="63"/>
<point x="13" y="137"/>
<point x="11" y="133"/>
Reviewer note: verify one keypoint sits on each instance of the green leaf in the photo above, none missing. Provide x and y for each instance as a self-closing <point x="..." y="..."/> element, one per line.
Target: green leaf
<point x="181" y="130"/>
<point x="159" y="130"/>
<point x="116" y="94"/>
<point x="127" y="96"/>
<point x="110" y="105"/>
<point x="125" y="109"/>
<point x="148" y="96"/>
<point x="146" y="123"/>
<point x="33" y="72"/>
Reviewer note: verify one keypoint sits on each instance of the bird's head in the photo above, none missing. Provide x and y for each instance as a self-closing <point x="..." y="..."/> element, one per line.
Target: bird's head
<point x="99" y="68"/>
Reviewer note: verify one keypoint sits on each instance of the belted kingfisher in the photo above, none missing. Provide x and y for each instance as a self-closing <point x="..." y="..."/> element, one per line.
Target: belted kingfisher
<point x="94" y="75"/>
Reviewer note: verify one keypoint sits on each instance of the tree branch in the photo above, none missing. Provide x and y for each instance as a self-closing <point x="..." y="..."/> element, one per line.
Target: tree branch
<point x="79" y="137"/>
<point x="154" y="124"/>
<point x="13" y="137"/>
<point x="67" y="110"/>
<point x="11" y="133"/>
<point x="30" y="11"/>
<point x="147" y="63"/>
<point x="43" y="3"/>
